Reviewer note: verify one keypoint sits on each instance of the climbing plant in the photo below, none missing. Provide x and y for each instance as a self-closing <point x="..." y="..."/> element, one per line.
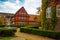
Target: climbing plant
<point x="53" y="18"/>
<point x="44" y="6"/>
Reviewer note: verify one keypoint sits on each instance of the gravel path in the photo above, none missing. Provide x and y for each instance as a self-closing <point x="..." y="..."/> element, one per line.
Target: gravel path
<point x="21" y="36"/>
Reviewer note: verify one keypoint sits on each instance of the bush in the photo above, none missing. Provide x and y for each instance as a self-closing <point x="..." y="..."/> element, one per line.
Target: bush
<point x="2" y="25"/>
<point x="50" y="34"/>
<point x="34" y="27"/>
<point x="13" y="25"/>
<point x="7" y="32"/>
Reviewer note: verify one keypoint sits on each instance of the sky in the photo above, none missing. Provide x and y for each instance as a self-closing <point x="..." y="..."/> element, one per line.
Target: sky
<point x="12" y="6"/>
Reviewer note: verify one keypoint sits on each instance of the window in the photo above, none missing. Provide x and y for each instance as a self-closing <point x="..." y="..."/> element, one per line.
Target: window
<point x="32" y="23"/>
<point x="21" y="13"/>
<point x="22" y="18"/>
<point x="35" y="18"/>
<point x="13" y="23"/>
<point x="4" y="16"/>
<point x="13" y="18"/>
<point x="58" y="10"/>
<point x="48" y="11"/>
<point x="0" y="16"/>
<point x="21" y="22"/>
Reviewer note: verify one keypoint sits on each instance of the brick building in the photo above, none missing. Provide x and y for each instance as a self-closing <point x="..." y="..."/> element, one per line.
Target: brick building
<point x="50" y="4"/>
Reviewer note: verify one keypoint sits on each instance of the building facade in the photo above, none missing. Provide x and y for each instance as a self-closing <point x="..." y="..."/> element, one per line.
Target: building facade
<point x="20" y="17"/>
<point x="33" y="20"/>
<point x="50" y="4"/>
<point x="5" y="18"/>
<point x="23" y="18"/>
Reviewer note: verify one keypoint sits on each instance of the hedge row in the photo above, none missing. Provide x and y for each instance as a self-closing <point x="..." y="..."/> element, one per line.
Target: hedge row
<point x="2" y="25"/>
<point x="7" y="33"/>
<point x="50" y="34"/>
<point x="35" y="27"/>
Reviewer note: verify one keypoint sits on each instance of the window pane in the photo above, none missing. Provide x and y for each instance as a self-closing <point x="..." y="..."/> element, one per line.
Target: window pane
<point x="48" y="11"/>
<point x="58" y="10"/>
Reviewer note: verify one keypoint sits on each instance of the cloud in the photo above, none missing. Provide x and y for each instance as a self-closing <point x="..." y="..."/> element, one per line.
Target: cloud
<point x="32" y="5"/>
<point x="12" y="6"/>
<point x="9" y="7"/>
<point x="3" y="0"/>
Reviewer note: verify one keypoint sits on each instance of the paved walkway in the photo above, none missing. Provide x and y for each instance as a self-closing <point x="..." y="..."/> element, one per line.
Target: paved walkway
<point x="30" y="36"/>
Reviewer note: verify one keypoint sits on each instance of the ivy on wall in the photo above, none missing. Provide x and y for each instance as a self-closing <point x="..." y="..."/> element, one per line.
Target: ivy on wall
<point x="44" y="6"/>
<point x="53" y="18"/>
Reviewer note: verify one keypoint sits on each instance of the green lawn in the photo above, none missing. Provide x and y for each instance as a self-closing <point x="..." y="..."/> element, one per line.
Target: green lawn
<point x="6" y="38"/>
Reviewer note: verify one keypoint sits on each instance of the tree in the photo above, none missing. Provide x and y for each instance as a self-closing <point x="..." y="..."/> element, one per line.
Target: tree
<point x="40" y="17"/>
<point x="0" y="20"/>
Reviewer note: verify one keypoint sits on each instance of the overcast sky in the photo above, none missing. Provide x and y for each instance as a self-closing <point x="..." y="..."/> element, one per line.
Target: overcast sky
<point x="11" y="6"/>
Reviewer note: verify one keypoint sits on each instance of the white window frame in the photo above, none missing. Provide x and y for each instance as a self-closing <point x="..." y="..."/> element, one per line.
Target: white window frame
<point x="57" y="10"/>
<point x="48" y="11"/>
<point x="13" y="23"/>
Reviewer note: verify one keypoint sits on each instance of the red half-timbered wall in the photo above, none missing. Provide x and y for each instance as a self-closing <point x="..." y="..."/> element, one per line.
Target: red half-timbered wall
<point x="21" y="17"/>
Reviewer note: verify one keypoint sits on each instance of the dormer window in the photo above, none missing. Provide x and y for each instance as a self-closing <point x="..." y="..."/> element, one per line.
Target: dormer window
<point x="21" y="13"/>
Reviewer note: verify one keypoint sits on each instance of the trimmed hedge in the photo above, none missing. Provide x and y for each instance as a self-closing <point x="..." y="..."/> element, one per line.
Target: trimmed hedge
<point x="34" y="27"/>
<point x="50" y="34"/>
<point x="7" y="33"/>
<point x="2" y="25"/>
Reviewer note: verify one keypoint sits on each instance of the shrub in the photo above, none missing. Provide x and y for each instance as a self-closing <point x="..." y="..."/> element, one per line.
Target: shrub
<point x="7" y="32"/>
<point x="34" y="27"/>
<point x="2" y="25"/>
<point x="50" y="34"/>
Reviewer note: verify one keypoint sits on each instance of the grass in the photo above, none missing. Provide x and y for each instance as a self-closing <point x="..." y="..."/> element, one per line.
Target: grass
<point x="6" y="38"/>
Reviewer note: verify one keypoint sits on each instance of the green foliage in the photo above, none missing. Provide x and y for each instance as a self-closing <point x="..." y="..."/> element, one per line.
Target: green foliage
<point x="53" y="18"/>
<point x="20" y="25"/>
<point x="35" y="27"/>
<point x="40" y="28"/>
<point x="12" y="25"/>
<point x="45" y="33"/>
<point x="2" y="25"/>
<point x="0" y="20"/>
<point x="6" y="38"/>
<point x="7" y="32"/>
<point x="44" y="6"/>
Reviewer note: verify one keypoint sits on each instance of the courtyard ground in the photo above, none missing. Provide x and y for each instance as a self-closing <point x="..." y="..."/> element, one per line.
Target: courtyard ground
<point x="29" y="36"/>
